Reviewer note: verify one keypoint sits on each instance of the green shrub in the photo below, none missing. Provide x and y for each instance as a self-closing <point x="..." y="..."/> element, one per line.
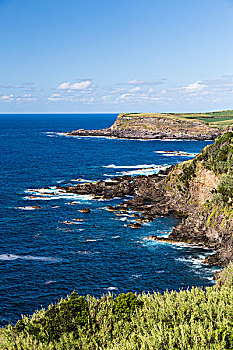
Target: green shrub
<point x="125" y="305"/>
<point x="67" y="316"/>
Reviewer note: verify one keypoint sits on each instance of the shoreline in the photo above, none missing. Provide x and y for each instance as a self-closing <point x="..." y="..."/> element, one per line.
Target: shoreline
<point x="154" y="127"/>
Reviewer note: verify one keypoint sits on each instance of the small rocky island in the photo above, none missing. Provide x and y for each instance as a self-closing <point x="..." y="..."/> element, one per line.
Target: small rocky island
<point x="198" y="191"/>
<point x="147" y="126"/>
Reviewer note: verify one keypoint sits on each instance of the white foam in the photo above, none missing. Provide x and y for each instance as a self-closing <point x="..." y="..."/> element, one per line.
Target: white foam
<point x="25" y="208"/>
<point x="111" y="288"/>
<point x="81" y="180"/>
<point x="176" y="154"/>
<point x="73" y="203"/>
<point x="194" y="261"/>
<point x="87" y="252"/>
<point x="179" y="140"/>
<point x="10" y="257"/>
<point x="140" y="166"/>
<point x="54" y="193"/>
<point x="123" y="218"/>
<point x="93" y="240"/>
<point x="54" y="134"/>
<point x="136" y="276"/>
<point x="109" y="175"/>
<point x="144" y="171"/>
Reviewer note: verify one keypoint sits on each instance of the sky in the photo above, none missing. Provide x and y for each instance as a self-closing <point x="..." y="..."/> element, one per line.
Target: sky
<point x="73" y="56"/>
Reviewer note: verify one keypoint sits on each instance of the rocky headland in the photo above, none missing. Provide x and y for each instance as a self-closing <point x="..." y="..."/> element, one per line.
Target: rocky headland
<point x="157" y="126"/>
<point x="198" y="191"/>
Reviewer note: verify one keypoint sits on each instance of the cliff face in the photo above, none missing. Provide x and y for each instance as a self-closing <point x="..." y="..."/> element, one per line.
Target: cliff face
<point x="162" y="125"/>
<point x="154" y="126"/>
<point x="202" y="189"/>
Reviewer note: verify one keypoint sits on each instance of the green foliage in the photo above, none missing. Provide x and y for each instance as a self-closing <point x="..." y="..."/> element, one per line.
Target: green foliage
<point x="125" y="305"/>
<point x="194" y="319"/>
<point x="219" y="156"/>
<point x="67" y="316"/>
<point x="188" y="173"/>
<point x="225" y="188"/>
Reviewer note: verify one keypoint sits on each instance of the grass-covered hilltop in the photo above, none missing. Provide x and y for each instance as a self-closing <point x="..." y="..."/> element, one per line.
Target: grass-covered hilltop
<point x="200" y="192"/>
<point x="197" y="126"/>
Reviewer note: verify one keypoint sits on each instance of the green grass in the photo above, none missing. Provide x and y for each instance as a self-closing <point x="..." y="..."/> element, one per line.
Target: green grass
<point x="219" y="119"/>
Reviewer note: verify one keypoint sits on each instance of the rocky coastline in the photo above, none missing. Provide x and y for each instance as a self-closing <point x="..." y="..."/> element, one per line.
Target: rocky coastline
<point x="152" y="128"/>
<point x="191" y="191"/>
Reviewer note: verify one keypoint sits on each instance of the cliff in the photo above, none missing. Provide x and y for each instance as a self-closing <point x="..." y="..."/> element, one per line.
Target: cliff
<point x="199" y="191"/>
<point x="202" y="126"/>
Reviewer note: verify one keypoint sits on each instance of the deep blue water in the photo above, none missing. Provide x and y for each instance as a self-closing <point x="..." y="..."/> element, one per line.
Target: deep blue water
<point x="42" y="259"/>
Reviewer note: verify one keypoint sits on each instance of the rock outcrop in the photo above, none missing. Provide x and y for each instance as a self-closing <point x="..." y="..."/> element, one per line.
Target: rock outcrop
<point x="154" y="126"/>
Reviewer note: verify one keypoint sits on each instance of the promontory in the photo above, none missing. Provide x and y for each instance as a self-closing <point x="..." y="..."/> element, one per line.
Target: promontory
<point x="184" y="126"/>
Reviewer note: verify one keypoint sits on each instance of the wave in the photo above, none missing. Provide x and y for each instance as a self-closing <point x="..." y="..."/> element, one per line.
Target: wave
<point x="136" y="276"/>
<point x="26" y="208"/>
<point x="144" y="171"/>
<point x="111" y="288"/>
<point x="93" y="240"/>
<point x="141" y="166"/>
<point x="53" y="193"/>
<point x="10" y="257"/>
<point x="87" y="252"/>
<point x="81" y="180"/>
<point x="141" y="169"/>
<point x="176" y="153"/>
<point x="178" y="140"/>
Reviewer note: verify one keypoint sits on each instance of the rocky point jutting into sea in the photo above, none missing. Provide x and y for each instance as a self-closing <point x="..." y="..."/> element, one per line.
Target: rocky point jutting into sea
<point x="199" y="191"/>
<point x="159" y="126"/>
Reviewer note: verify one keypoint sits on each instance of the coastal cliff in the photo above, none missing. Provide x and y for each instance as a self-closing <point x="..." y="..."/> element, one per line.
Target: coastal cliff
<point x="165" y="126"/>
<point x="199" y="191"/>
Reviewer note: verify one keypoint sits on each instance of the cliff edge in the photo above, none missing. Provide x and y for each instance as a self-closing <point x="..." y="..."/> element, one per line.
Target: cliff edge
<point x="202" y="126"/>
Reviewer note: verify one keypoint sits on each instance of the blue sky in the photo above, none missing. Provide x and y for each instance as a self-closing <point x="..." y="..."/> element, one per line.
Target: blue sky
<point x="116" y="55"/>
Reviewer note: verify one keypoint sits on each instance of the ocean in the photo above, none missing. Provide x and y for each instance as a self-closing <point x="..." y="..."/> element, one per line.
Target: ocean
<point x="43" y="259"/>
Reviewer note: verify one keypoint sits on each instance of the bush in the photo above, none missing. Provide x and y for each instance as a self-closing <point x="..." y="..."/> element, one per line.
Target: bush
<point x="67" y="316"/>
<point x="126" y="304"/>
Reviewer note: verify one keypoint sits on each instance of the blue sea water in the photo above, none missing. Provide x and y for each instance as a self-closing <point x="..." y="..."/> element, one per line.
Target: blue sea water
<point x="43" y="259"/>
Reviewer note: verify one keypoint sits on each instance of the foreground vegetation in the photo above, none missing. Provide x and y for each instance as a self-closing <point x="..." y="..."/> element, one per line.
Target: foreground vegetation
<point x="193" y="319"/>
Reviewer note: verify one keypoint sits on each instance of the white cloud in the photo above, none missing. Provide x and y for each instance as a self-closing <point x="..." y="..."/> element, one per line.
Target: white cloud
<point x="141" y="82"/>
<point x="7" y="98"/>
<point x="193" y="87"/>
<point x="136" y="89"/>
<point x="55" y="97"/>
<point x="75" y="86"/>
<point x="26" y="98"/>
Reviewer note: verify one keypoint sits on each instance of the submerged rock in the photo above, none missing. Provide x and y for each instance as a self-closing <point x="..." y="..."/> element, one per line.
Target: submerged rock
<point x="85" y="210"/>
<point x="134" y="225"/>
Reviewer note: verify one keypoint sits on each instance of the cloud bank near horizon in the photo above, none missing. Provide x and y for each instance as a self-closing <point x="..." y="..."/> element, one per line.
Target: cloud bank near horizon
<point x="135" y="93"/>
